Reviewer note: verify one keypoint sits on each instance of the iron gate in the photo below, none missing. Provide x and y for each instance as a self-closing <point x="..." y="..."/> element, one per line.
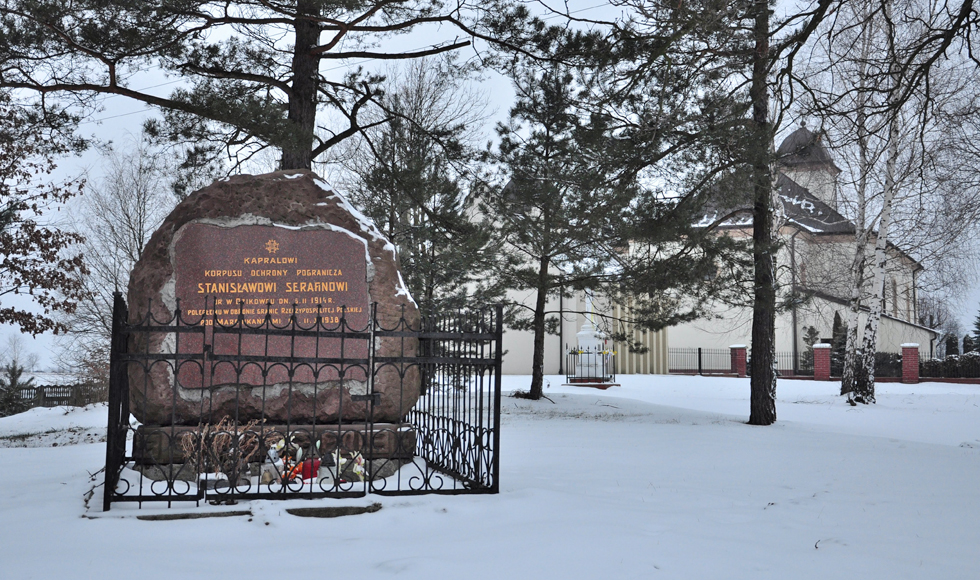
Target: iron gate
<point x="446" y="441"/>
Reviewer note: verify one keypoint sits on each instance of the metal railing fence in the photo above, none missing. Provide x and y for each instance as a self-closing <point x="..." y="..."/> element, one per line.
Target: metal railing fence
<point x="588" y="366"/>
<point x="719" y="361"/>
<point x="964" y="366"/>
<point x="397" y="407"/>
<point x="699" y="360"/>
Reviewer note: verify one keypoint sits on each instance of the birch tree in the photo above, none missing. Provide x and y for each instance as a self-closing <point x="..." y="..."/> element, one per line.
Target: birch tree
<point x="893" y="110"/>
<point x="864" y="383"/>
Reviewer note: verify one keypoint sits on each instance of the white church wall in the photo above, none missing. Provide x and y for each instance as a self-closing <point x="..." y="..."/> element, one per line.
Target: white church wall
<point x="519" y="344"/>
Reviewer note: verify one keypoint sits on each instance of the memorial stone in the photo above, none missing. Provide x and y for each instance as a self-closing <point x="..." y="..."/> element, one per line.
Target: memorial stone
<point x="254" y="251"/>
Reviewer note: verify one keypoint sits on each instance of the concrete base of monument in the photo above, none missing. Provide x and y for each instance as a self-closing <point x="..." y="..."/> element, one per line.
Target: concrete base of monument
<point x="593" y="382"/>
<point x="156" y="398"/>
<point x="165" y="445"/>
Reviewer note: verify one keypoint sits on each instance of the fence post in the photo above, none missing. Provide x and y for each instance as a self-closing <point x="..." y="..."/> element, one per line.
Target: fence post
<point x="497" y="366"/>
<point x="115" y="446"/>
<point x="821" y="362"/>
<point x="700" y="369"/>
<point x="910" y="363"/>
<point x="738" y="359"/>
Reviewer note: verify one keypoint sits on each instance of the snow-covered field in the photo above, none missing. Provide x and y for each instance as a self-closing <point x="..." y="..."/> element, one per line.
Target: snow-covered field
<point x="659" y="478"/>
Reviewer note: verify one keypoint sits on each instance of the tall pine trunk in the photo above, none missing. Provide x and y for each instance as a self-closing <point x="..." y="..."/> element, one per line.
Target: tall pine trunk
<point x="297" y="152"/>
<point x="763" y="382"/>
<point x="537" y="359"/>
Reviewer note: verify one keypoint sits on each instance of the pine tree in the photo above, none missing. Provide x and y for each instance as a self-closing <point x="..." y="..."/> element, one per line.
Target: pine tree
<point x="255" y="73"/>
<point x="976" y="329"/>
<point x="413" y="178"/>
<point x="11" y="402"/>
<point x="838" y="344"/>
<point x="810" y="337"/>
<point x="952" y="345"/>
<point x="764" y="243"/>
<point x="968" y="344"/>
<point x="557" y="210"/>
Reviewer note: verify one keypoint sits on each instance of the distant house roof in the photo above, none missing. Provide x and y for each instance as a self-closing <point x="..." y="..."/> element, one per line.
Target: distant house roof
<point x="803" y="149"/>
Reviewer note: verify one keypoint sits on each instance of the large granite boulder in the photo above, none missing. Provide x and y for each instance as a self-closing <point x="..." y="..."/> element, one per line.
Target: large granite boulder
<point x="252" y="252"/>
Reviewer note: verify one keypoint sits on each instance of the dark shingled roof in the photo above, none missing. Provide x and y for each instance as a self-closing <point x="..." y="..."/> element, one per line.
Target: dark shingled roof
<point x="803" y="209"/>
<point x="804" y="149"/>
<point x="806" y="210"/>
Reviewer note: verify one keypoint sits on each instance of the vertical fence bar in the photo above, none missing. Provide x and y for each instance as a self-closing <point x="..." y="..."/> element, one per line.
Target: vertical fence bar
<point x="498" y="350"/>
<point x="115" y="447"/>
<point x="371" y="372"/>
<point x="700" y="365"/>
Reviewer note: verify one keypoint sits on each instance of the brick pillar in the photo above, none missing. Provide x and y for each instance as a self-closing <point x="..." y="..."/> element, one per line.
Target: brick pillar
<point x="821" y="362"/>
<point x="738" y="359"/>
<point x="910" y="363"/>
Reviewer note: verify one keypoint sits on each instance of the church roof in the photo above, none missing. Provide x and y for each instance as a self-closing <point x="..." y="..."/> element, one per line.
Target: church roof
<point x="805" y="210"/>
<point x="804" y="149"/>
<point x="802" y="209"/>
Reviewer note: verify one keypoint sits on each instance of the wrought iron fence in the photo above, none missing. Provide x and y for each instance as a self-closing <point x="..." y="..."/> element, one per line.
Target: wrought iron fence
<point x="590" y="366"/>
<point x="397" y="406"/>
<point x="965" y="366"/>
<point x="887" y="364"/>
<point x="699" y="360"/>
<point x="789" y="364"/>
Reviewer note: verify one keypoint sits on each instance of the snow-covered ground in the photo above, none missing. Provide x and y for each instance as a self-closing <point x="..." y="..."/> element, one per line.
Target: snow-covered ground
<point x="659" y="478"/>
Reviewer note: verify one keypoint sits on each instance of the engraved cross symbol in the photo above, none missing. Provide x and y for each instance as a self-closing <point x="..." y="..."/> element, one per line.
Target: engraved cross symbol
<point x="272" y="246"/>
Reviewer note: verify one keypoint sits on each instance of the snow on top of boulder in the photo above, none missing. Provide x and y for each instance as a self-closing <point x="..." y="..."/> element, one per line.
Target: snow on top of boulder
<point x="336" y="228"/>
<point x="403" y="289"/>
<point x="366" y="223"/>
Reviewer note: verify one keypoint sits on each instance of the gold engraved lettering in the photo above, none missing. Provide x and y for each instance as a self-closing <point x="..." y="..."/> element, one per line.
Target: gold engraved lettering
<point x="236" y="287"/>
<point x="268" y="260"/>
<point x="316" y="286"/>
<point x="336" y="272"/>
